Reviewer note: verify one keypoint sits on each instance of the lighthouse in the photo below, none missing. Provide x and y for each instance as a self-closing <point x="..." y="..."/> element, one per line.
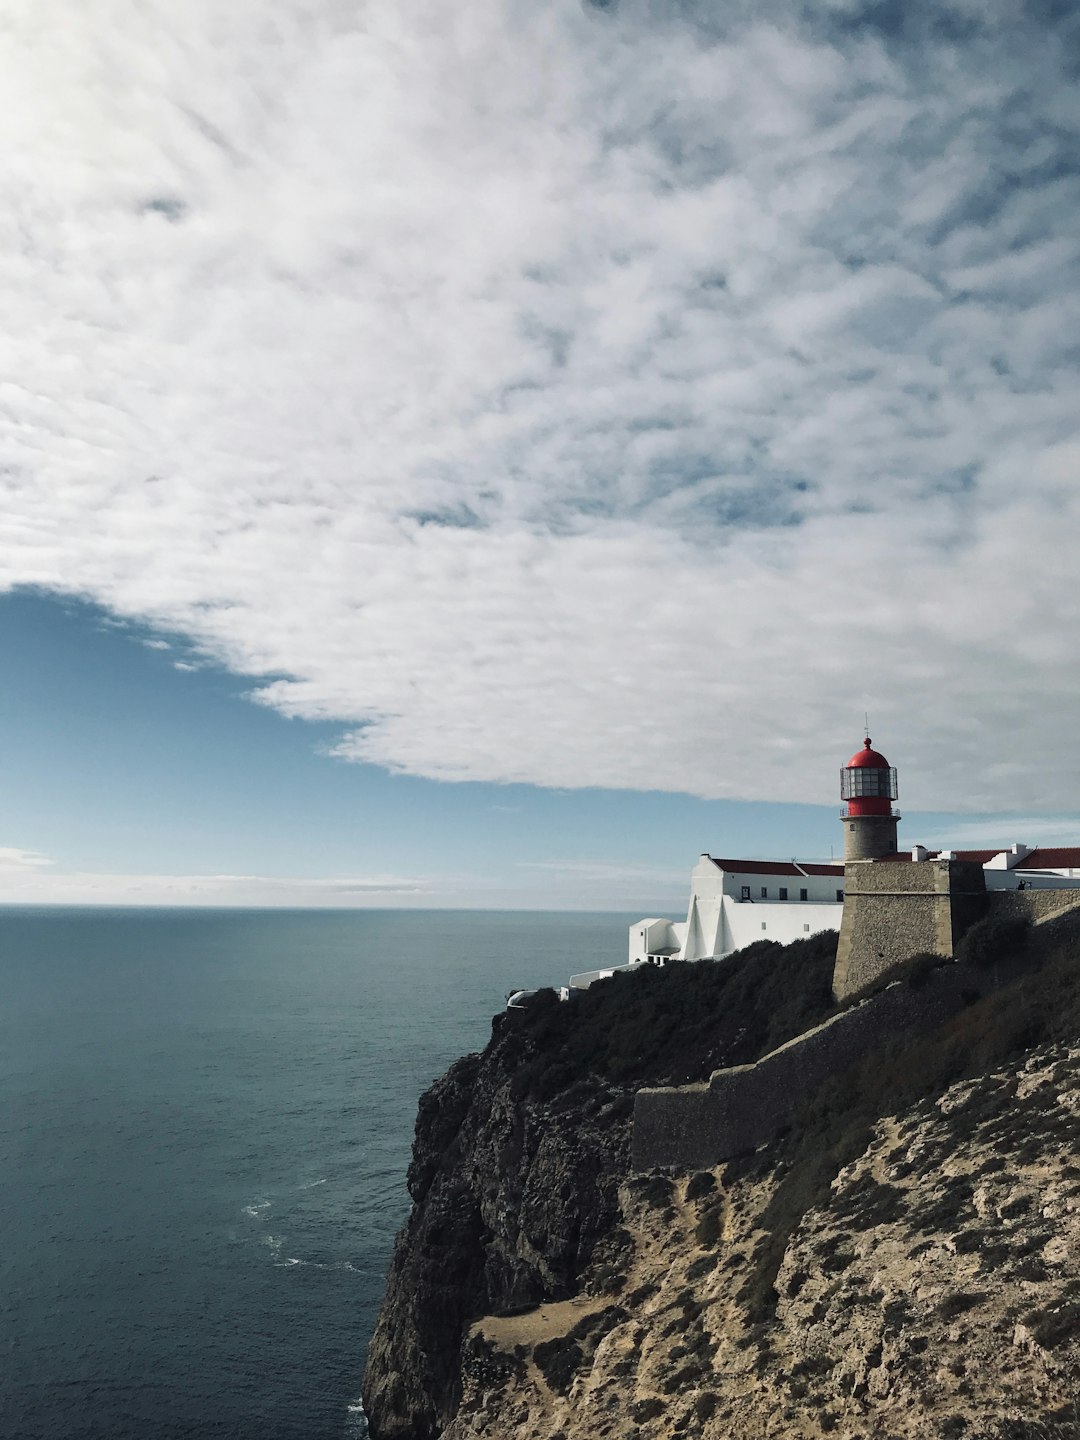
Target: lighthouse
<point x="868" y="786"/>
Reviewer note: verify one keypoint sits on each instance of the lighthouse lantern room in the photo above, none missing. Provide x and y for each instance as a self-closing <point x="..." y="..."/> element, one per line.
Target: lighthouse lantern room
<point x="868" y="786"/>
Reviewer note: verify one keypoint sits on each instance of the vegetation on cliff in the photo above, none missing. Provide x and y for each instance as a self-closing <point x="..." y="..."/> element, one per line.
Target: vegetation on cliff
<point x="672" y="1025"/>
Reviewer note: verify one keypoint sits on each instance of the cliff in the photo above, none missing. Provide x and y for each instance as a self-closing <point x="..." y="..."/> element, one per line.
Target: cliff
<point x="906" y="1261"/>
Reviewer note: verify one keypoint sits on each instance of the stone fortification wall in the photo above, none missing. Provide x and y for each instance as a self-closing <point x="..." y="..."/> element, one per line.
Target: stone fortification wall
<point x="896" y="909"/>
<point x="739" y="1109"/>
<point x="698" y="1126"/>
<point x="1037" y="905"/>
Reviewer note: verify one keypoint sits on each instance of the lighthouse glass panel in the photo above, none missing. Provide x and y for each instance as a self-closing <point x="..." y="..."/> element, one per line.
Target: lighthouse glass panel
<point x="866" y="782"/>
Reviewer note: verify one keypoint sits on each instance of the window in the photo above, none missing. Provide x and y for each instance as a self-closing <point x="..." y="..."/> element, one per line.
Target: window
<point x="839" y="894"/>
<point x="867" y="780"/>
<point x="764" y="892"/>
<point x="852" y="829"/>
<point x="806" y="928"/>
<point x="745" y="893"/>
<point x="802" y="895"/>
<point x="783" y="892"/>
<point x="763" y="925"/>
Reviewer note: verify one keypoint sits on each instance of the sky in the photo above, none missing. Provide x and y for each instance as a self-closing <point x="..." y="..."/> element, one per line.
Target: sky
<point x="487" y="455"/>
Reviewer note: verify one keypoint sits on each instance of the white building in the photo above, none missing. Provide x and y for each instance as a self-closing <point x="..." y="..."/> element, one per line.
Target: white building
<point x="732" y="904"/>
<point x="1047" y="867"/>
<point x="735" y="902"/>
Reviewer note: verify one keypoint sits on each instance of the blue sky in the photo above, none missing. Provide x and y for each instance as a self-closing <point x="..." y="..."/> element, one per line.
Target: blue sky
<point x="130" y="780"/>
<point x="488" y="454"/>
<point x="116" y="758"/>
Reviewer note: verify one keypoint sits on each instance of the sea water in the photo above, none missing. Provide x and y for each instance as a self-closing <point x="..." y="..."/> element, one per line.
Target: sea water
<point x="205" y="1122"/>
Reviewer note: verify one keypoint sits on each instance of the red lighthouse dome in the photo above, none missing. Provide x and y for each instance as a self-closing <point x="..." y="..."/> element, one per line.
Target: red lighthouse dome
<point x="868" y="783"/>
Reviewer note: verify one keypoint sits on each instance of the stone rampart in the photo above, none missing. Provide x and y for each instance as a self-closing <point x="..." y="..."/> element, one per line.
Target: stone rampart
<point x="748" y="1106"/>
<point x="896" y="909"/>
<point x="1037" y="905"/>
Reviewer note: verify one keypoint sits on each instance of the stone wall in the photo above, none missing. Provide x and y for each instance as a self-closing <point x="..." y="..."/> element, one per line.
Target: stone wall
<point x="896" y="909"/>
<point x="1038" y="905"/>
<point x="868" y="835"/>
<point x="700" y="1125"/>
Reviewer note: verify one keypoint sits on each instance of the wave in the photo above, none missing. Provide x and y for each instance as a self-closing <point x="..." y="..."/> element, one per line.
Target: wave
<point x="311" y="1184"/>
<point x="356" y="1426"/>
<point x="291" y="1260"/>
<point x="256" y="1208"/>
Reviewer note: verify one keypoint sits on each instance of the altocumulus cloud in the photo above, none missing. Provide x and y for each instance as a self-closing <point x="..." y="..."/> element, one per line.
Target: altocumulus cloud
<point x="622" y="395"/>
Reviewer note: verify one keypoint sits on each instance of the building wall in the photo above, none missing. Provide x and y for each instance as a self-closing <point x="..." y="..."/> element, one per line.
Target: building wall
<point x="703" y="933"/>
<point x="649" y="936"/>
<point x="783" y="921"/>
<point x="719" y="920"/>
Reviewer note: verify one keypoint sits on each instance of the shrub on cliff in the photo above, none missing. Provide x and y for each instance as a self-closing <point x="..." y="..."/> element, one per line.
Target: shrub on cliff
<point x="671" y="1025"/>
<point x="993" y="940"/>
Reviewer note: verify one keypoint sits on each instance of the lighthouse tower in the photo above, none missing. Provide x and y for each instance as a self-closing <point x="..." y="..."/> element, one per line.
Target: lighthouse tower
<point x="868" y="785"/>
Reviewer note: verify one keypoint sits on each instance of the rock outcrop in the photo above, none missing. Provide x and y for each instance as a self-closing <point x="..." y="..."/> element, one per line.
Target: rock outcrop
<point x="510" y="1197"/>
<point x="905" y="1262"/>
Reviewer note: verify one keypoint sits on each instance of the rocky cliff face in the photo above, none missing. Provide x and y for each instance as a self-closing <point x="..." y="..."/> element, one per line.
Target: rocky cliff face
<point x="933" y="1291"/>
<point x="519" y="1153"/>
<point x="905" y="1263"/>
<point x="510" y="1197"/>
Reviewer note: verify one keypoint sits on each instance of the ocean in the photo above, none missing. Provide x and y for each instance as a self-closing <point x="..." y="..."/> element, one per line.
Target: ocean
<point x="205" y="1121"/>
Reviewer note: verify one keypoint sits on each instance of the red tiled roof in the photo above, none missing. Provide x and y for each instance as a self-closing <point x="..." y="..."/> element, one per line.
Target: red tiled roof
<point x="773" y="867"/>
<point x="979" y="857"/>
<point x="1063" y="857"/>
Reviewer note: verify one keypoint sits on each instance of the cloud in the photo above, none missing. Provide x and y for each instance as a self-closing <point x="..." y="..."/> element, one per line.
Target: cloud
<point x="1004" y="831"/>
<point x="22" y="881"/>
<point x="21" y="861"/>
<point x="604" y="871"/>
<point x="590" y="884"/>
<point x="619" y="399"/>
